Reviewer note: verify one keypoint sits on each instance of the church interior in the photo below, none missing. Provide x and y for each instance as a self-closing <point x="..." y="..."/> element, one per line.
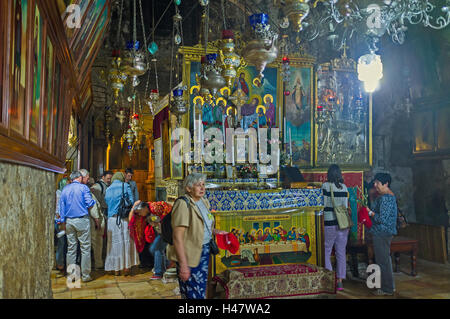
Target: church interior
<point x="260" y="96"/>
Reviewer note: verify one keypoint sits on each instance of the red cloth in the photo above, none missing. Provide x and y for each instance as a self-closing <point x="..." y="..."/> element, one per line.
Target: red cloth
<point x="363" y="217"/>
<point x="137" y="227"/>
<point x="149" y="234"/>
<point x="228" y="242"/>
<point x="160" y="209"/>
<point x="162" y="116"/>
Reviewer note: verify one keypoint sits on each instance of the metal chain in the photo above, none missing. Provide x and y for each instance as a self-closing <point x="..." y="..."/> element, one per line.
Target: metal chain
<point x="143" y="26"/>
<point x="171" y="61"/>
<point x="120" y="23"/>
<point x="153" y="39"/>
<point x="145" y="45"/>
<point x="206" y="27"/>
<point x="157" y="23"/>
<point x="223" y="14"/>
<point x="177" y="62"/>
<point x="156" y="76"/>
<point x="134" y="26"/>
<point x="146" y="85"/>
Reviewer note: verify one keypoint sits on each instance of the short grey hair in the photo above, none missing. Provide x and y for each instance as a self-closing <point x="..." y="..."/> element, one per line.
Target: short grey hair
<point x="193" y="179"/>
<point x="84" y="172"/>
<point x="74" y="175"/>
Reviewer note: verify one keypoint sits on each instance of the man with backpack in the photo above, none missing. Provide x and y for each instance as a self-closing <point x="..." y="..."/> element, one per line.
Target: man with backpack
<point x="99" y="190"/>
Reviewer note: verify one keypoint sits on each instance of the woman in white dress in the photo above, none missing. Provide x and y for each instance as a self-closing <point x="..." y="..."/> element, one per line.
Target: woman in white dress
<point x="121" y="252"/>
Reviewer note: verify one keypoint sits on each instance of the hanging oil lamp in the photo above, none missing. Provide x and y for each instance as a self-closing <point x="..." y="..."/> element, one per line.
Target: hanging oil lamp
<point x="229" y="59"/>
<point x="116" y="75"/>
<point x="211" y="79"/>
<point x="129" y="136"/>
<point x="135" y="125"/>
<point x="261" y="49"/>
<point x="134" y="62"/>
<point x="297" y="11"/>
<point x="178" y="104"/>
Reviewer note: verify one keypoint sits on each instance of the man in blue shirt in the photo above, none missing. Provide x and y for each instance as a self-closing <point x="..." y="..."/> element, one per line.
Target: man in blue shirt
<point x="128" y="179"/>
<point x="75" y="202"/>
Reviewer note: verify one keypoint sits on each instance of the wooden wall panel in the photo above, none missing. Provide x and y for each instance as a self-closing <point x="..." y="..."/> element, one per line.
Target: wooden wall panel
<point x="432" y="245"/>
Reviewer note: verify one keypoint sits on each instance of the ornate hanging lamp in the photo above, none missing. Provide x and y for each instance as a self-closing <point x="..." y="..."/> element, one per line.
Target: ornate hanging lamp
<point x="230" y="60"/>
<point x="261" y="49"/>
<point x="210" y="79"/>
<point x="135" y="63"/>
<point x="177" y="102"/>
<point x="153" y="97"/>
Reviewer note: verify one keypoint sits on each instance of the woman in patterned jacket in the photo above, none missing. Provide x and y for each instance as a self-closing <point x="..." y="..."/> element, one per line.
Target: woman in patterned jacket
<point x="384" y="220"/>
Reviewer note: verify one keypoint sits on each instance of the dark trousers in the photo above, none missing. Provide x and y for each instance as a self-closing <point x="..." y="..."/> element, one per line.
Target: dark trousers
<point x="382" y="251"/>
<point x="145" y="258"/>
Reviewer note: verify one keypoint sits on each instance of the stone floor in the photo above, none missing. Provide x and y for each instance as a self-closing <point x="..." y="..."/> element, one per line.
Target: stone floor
<point x="432" y="282"/>
<point x="109" y="286"/>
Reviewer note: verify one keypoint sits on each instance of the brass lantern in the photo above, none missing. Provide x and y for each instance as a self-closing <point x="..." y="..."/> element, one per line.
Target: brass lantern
<point x="178" y="104"/>
<point x="297" y="11"/>
<point x="134" y="62"/>
<point x="230" y="60"/>
<point x="262" y="49"/>
<point x="116" y="75"/>
<point x="211" y="80"/>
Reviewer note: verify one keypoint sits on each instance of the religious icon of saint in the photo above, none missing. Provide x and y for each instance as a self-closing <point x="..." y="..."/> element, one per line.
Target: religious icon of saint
<point x="259" y="235"/>
<point x="298" y="95"/>
<point x="262" y="120"/>
<point x="207" y="115"/>
<point x="218" y="111"/>
<point x="249" y="116"/>
<point x="292" y="235"/>
<point x="303" y="237"/>
<point x="270" y="110"/>
<point x="240" y="83"/>
<point x="267" y="235"/>
<point x="230" y="117"/>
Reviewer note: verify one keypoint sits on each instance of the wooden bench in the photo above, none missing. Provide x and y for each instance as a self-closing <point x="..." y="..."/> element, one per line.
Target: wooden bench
<point x="398" y="245"/>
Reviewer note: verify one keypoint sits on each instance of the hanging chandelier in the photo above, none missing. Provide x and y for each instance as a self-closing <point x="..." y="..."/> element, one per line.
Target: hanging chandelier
<point x="338" y="20"/>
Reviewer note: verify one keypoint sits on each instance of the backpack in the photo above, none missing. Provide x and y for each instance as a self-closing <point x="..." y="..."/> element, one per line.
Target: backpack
<point x="125" y="207"/>
<point x="101" y="186"/>
<point x="166" y="223"/>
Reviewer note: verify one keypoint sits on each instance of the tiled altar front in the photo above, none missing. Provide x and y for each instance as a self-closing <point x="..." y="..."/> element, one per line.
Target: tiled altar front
<point x="274" y="226"/>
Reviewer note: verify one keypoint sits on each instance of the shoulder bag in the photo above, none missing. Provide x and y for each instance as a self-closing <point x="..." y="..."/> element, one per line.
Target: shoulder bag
<point x="342" y="216"/>
<point x="125" y="207"/>
<point x="213" y="248"/>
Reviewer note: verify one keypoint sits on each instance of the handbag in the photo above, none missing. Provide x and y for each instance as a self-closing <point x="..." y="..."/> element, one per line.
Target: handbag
<point x="343" y="218"/>
<point x="125" y="207"/>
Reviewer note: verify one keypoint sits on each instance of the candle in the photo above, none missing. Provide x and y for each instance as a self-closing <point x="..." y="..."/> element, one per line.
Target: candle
<point x="290" y="144"/>
<point x="232" y="150"/>
<point x="195" y="132"/>
<point x="223" y="128"/>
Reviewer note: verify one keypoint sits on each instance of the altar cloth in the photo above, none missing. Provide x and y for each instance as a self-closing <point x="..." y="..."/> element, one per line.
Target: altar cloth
<point x="242" y="200"/>
<point x="283" y="281"/>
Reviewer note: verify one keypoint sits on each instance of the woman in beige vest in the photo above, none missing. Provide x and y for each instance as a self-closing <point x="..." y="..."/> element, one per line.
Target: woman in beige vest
<point x="193" y="228"/>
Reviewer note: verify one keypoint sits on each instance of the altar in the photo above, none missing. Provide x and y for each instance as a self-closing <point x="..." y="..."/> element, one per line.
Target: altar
<point x="273" y="226"/>
<point x="239" y="129"/>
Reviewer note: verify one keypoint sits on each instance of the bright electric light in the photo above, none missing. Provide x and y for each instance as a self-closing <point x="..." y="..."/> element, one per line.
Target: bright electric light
<point x="370" y="71"/>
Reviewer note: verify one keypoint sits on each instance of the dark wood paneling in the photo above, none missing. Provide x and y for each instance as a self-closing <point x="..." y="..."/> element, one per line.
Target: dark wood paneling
<point x="432" y="245"/>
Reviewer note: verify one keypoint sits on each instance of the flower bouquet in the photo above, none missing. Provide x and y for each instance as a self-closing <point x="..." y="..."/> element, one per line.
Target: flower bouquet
<point x="363" y="211"/>
<point x="248" y="171"/>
